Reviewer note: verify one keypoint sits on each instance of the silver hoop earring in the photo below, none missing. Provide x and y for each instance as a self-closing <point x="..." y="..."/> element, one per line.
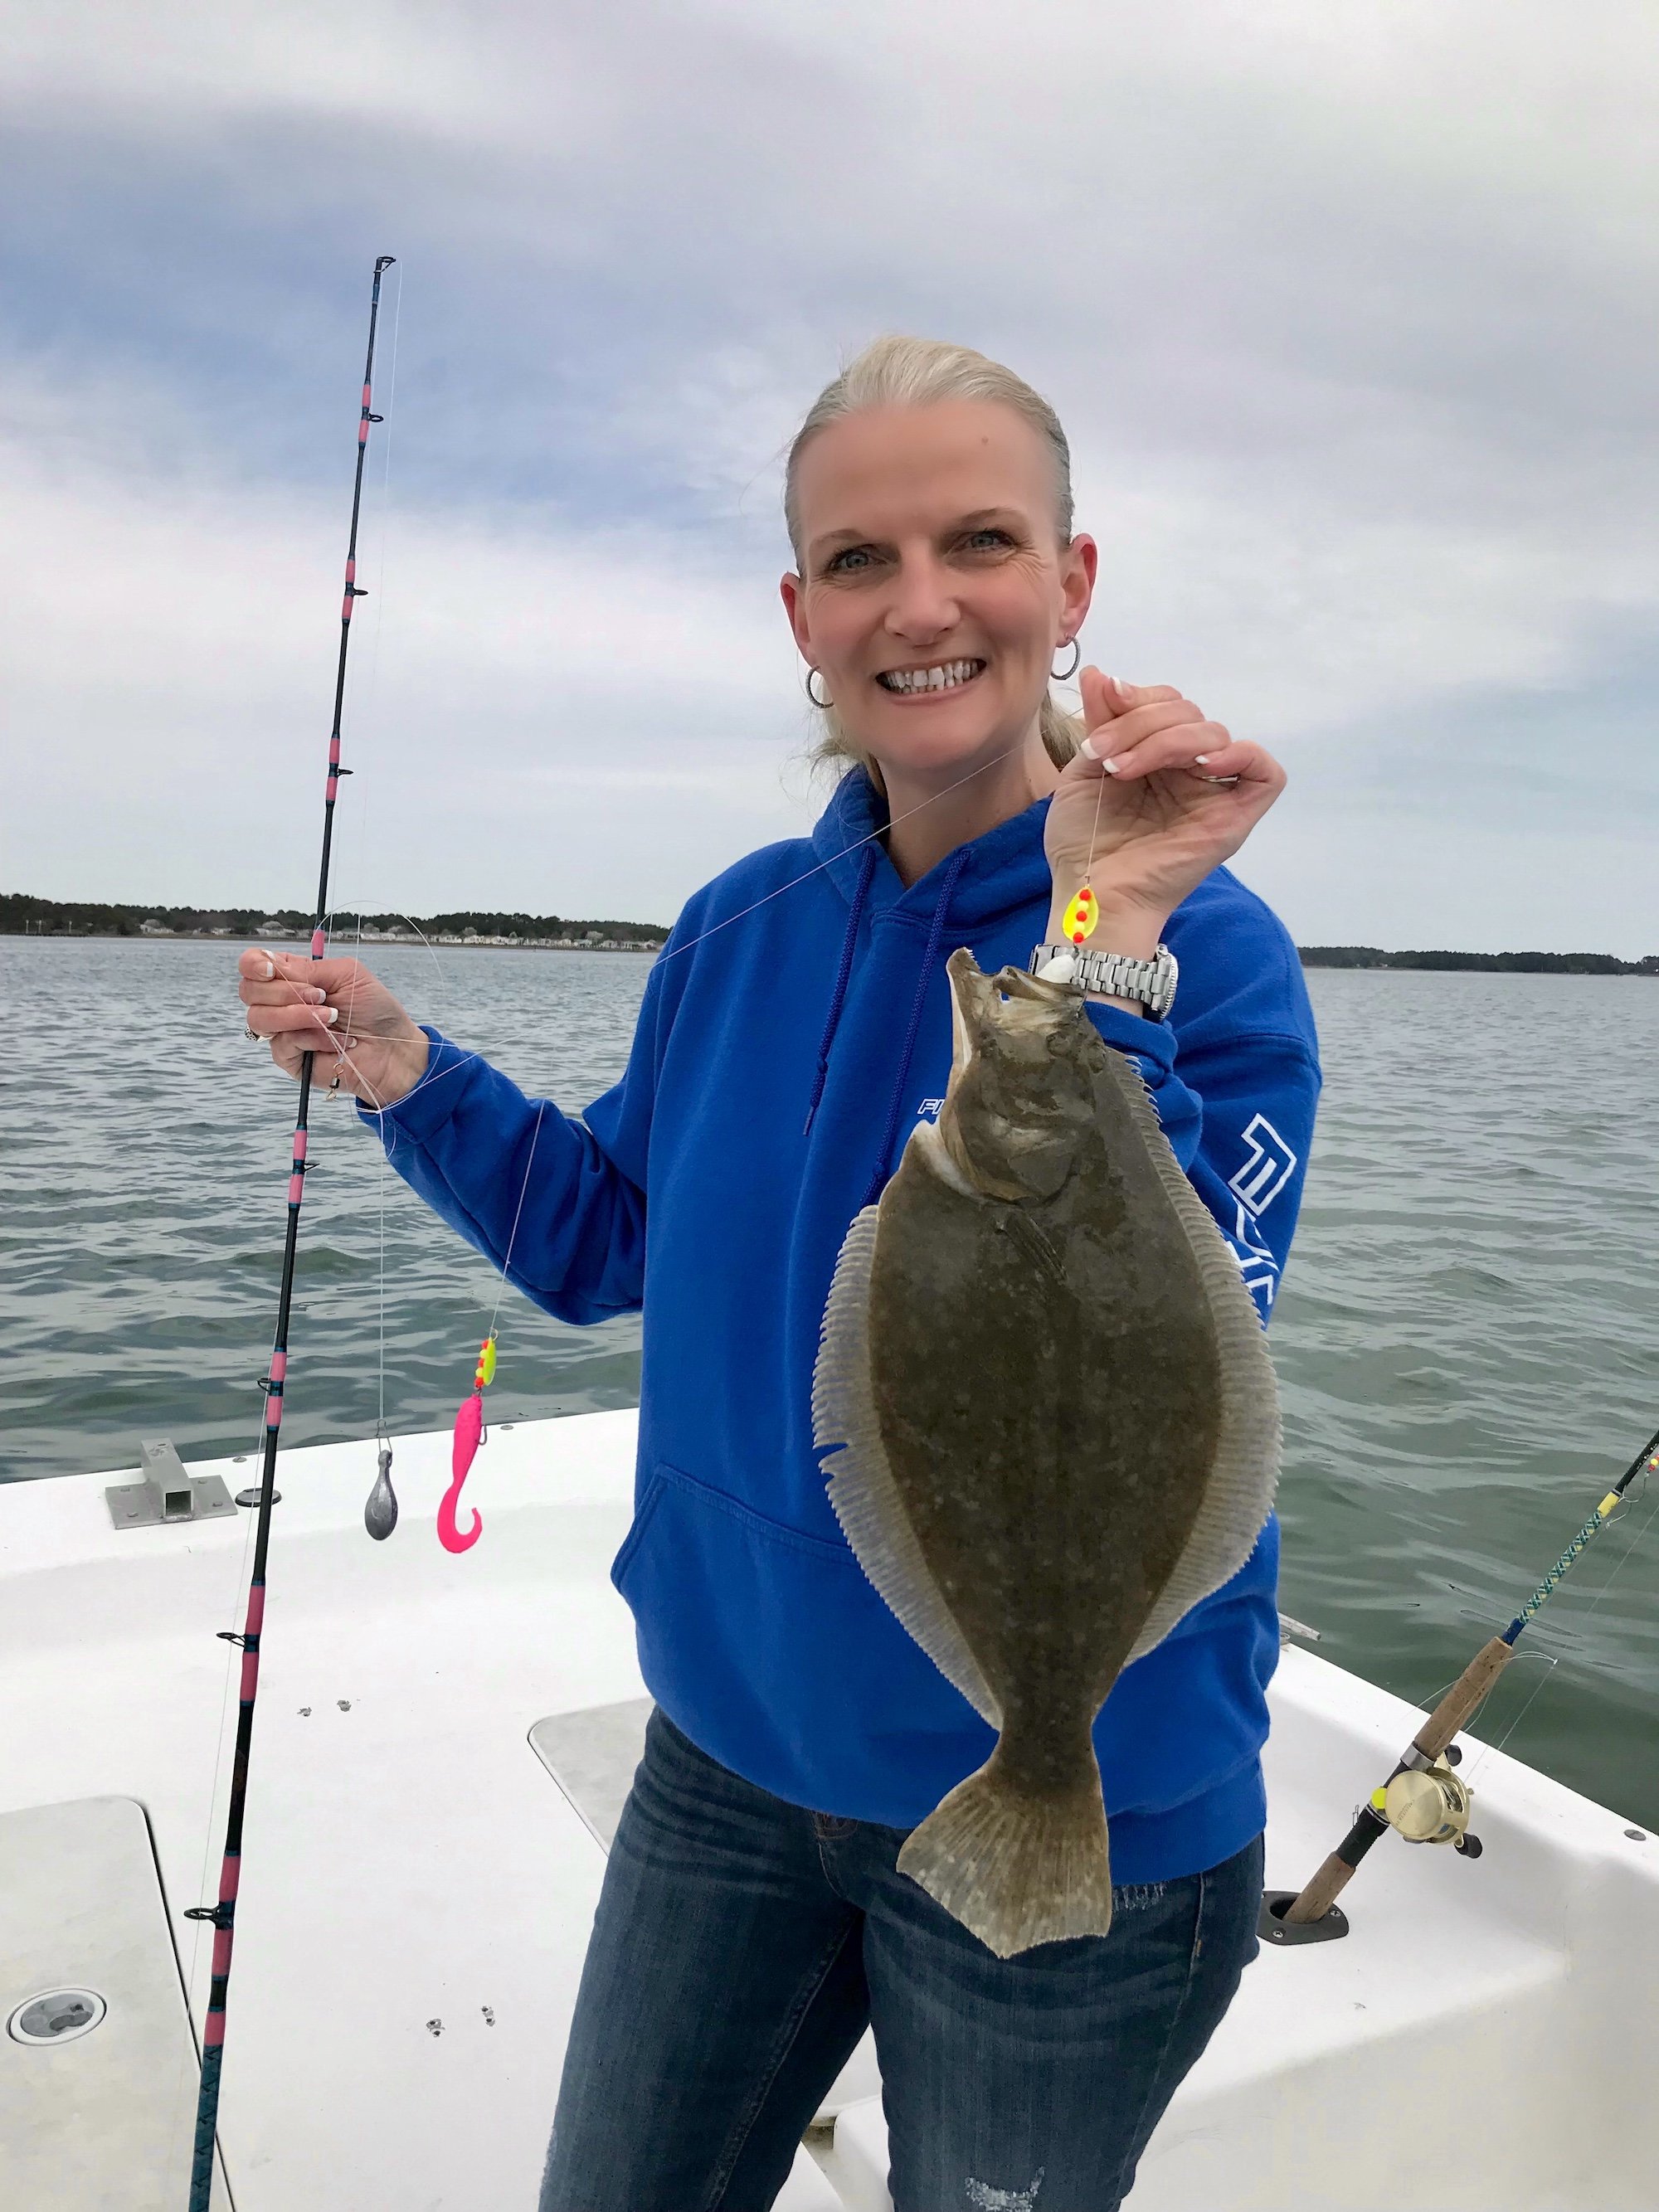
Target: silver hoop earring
<point x="823" y="705"/>
<point x="1065" y="675"/>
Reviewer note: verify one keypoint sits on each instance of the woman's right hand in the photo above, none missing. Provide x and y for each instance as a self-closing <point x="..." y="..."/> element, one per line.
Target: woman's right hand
<point x="340" y="1010"/>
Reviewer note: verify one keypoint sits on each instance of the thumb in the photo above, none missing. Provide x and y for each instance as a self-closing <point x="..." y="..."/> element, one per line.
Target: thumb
<point x="1103" y="697"/>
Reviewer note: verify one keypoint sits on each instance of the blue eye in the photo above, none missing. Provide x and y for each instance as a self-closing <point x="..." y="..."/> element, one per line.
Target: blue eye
<point x="842" y="563"/>
<point x="977" y="538"/>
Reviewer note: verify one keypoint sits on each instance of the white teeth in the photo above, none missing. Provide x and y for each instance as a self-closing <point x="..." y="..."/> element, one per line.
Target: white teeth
<point x="944" y="676"/>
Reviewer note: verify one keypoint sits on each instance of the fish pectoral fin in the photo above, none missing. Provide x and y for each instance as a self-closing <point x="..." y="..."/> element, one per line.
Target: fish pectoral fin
<point x="1034" y="1242"/>
<point x="863" y="1493"/>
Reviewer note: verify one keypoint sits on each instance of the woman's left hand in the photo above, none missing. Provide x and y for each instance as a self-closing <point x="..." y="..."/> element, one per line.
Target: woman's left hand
<point x="1181" y="796"/>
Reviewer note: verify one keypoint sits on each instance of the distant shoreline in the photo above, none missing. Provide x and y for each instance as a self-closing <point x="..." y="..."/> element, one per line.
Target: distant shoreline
<point x="21" y="914"/>
<point x="340" y="943"/>
<point x="1477" y="963"/>
<point x="1311" y="955"/>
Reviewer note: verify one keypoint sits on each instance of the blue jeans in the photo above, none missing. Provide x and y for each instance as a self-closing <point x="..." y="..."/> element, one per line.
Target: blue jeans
<point x="740" y="1949"/>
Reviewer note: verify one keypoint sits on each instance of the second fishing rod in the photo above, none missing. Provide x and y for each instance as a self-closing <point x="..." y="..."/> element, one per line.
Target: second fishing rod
<point x="223" y="1914"/>
<point x="1423" y="1799"/>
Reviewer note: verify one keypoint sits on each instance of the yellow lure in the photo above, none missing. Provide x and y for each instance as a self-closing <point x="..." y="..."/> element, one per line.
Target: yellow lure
<point x="1081" y="916"/>
<point x="484" y="1373"/>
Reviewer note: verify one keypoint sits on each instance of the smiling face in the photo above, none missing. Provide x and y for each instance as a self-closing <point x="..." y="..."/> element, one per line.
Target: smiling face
<point x="934" y="587"/>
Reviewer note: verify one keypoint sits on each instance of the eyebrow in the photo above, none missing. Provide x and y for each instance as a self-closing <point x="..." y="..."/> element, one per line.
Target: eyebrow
<point x="975" y="520"/>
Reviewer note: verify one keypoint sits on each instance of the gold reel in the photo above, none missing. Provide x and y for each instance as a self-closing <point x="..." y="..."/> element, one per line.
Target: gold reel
<point x="1426" y="1805"/>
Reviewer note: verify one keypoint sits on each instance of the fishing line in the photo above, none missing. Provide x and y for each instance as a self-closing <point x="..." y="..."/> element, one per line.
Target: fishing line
<point x="386" y="515"/>
<point x="1618" y="1568"/>
<point x="1552" y="1660"/>
<point x="367" y="746"/>
<point x="673" y="952"/>
<point x="513" y="1234"/>
<point x="1625" y="1511"/>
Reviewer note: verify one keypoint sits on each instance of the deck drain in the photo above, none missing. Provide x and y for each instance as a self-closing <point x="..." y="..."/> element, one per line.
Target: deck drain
<point x="56" y="2016"/>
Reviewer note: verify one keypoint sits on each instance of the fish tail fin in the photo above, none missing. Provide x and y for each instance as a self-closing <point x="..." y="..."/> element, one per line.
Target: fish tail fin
<point x="1015" y="1866"/>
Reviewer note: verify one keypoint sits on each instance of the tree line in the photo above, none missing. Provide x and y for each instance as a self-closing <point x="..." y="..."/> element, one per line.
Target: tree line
<point x="21" y="914"/>
<point x="1502" y="964"/>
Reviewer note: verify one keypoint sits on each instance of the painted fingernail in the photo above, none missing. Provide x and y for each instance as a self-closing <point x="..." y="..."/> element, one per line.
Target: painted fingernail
<point x="1203" y="759"/>
<point x="270" y="971"/>
<point x="331" y="1015"/>
<point x="1111" y="767"/>
<point x="1087" y="750"/>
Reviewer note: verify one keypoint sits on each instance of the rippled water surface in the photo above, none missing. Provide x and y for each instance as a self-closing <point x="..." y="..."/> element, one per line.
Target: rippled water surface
<point x="1466" y="1339"/>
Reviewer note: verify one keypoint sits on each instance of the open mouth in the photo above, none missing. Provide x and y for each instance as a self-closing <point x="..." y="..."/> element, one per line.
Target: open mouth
<point x="937" y="676"/>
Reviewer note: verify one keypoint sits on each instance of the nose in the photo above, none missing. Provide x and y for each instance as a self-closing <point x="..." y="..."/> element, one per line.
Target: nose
<point x="924" y="604"/>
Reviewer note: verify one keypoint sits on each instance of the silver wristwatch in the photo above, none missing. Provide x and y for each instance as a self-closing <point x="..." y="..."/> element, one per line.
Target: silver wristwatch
<point x="1112" y="974"/>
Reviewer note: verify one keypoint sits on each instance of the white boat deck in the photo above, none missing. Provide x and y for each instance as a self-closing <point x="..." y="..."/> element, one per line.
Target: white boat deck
<point x="418" y="1890"/>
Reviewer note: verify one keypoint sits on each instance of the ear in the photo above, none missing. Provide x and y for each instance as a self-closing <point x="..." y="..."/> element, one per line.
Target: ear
<point x="1078" y="566"/>
<point x="793" y="595"/>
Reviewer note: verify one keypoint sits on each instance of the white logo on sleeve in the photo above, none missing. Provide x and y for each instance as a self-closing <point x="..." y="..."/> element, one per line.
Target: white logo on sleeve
<point x="1266" y="1172"/>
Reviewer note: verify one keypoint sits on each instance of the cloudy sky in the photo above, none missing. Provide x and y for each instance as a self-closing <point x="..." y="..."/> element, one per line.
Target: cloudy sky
<point x="1349" y="309"/>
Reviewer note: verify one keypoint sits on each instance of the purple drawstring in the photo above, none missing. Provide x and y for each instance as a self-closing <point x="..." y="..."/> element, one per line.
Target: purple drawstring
<point x="838" y="997"/>
<point x="959" y="860"/>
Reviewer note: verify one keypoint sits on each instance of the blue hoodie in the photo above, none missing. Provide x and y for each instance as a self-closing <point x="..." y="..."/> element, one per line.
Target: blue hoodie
<point x="779" y="1066"/>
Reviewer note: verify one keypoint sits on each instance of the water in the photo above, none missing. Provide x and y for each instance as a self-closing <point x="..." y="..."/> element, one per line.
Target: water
<point x="1464" y="1339"/>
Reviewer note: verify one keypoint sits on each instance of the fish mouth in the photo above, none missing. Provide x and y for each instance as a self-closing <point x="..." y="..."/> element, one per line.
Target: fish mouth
<point x="971" y="1014"/>
<point x="1007" y="1127"/>
<point x="930" y="679"/>
<point x="977" y="1003"/>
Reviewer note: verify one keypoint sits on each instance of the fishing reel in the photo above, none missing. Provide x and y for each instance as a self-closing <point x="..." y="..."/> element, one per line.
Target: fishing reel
<point x="1429" y="1804"/>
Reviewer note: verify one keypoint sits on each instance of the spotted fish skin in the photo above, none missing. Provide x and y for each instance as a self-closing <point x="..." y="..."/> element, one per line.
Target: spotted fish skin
<point x="1049" y="1426"/>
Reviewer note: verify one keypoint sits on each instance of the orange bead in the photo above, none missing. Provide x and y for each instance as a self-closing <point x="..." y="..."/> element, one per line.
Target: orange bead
<point x="1081" y="917"/>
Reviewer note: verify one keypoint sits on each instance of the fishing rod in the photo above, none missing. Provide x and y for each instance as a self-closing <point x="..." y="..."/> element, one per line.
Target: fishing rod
<point x="222" y="1915"/>
<point x="1423" y="1798"/>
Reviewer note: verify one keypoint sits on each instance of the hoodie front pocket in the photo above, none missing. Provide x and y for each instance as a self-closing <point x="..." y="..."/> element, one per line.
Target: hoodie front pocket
<point x="643" y="1514"/>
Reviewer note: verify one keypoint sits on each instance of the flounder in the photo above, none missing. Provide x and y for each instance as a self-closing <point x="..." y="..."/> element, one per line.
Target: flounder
<point x="1049" y="1426"/>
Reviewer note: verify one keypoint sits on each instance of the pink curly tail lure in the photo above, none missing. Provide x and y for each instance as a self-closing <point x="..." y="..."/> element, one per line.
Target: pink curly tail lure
<point x="469" y="1435"/>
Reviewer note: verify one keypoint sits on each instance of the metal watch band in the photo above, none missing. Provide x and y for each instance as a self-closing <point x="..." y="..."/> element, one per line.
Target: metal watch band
<point x="1117" y="974"/>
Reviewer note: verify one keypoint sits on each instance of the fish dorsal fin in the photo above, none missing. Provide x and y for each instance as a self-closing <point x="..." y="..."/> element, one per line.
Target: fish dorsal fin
<point x="862" y="1490"/>
<point x="1243" y="1473"/>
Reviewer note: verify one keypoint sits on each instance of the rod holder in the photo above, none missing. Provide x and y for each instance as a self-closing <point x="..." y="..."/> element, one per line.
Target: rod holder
<point x="168" y="1492"/>
<point x="1272" y="1927"/>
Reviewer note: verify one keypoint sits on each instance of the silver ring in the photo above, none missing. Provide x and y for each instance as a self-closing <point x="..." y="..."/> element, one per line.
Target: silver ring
<point x="251" y="1034"/>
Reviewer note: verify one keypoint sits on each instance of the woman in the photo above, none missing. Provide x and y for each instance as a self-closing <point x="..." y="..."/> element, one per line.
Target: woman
<point x="792" y="1035"/>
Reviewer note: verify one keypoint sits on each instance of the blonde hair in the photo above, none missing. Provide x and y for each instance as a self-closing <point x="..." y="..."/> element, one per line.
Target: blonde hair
<point x="903" y="371"/>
